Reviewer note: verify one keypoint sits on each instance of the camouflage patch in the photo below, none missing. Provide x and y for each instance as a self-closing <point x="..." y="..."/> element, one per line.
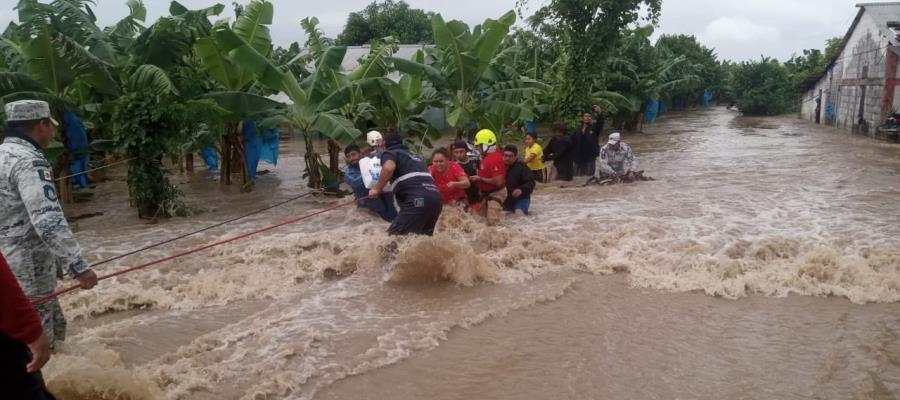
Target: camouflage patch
<point x="45" y="175"/>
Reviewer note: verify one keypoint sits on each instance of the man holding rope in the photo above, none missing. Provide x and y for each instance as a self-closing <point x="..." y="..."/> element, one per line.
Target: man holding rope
<point x="34" y="234"/>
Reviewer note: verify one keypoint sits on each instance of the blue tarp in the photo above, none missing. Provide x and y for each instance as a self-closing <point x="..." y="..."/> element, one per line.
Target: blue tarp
<point x="269" y="151"/>
<point x="707" y="97"/>
<point x="76" y="144"/>
<point x="829" y="110"/>
<point x="530" y="126"/>
<point x="252" y="147"/>
<point x="210" y="155"/>
<point x="663" y="108"/>
<point x="651" y="111"/>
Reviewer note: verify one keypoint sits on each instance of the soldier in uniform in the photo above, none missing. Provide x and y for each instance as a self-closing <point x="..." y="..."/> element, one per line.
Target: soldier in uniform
<point x="34" y="235"/>
<point x="613" y="156"/>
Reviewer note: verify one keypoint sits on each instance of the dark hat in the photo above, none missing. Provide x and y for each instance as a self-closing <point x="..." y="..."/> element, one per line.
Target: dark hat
<point x="351" y="147"/>
<point x="392" y="139"/>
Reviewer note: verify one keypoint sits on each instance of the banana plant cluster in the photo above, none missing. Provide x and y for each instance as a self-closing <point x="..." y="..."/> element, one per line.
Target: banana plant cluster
<point x="474" y="74"/>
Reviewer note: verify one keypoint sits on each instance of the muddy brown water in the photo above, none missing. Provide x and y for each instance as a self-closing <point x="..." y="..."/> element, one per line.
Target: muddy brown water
<point x="763" y="263"/>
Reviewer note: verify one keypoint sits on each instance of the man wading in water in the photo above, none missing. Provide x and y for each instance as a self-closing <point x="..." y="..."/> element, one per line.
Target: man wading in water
<point x="419" y="199"/>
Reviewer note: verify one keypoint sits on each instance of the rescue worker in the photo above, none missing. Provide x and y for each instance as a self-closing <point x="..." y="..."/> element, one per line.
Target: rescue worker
<point x="613" y="155"/>
<point x="34" y="234"/>
<point x="24" y="347"/>
<point x="418" y="196"/>
<point x="491" y="177"/>
<point x="383" y="205"/>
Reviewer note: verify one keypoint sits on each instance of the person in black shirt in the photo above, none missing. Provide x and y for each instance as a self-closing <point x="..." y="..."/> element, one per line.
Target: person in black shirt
<point x="470" y="166"/>
<point x="419" y="199"/>
<point x="584" y="143"/>
<point x="519" y="182"/>
<point x="559" y="150"/>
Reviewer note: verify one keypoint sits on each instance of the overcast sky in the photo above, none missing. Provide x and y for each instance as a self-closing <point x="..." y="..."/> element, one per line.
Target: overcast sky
<point x="737" y="29"/>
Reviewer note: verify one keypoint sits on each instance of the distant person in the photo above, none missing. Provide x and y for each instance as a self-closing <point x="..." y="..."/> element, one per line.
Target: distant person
<point x="418" y="196"/>
<point x="519" y="182"/>
<point x="34" y="234"/>
<point x="584" y="143"/>
<point x="450" y="178"/>
<point x="534" y="157"/>
<point x="470" y="166"/>
<point x="599" y="123"/>
<point x="471" y="147"/>
<point x="491" y="177"/>
<point x="559" y="150"/>
<point x="24" y="348"/>
<point x="383" y="206"/>
<point x="613" y="158"/>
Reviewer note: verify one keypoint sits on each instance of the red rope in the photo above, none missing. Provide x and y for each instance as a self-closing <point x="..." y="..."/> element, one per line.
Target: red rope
<point x="195" y="250"/>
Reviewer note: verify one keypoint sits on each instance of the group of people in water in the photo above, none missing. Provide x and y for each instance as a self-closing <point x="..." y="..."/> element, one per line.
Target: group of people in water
<point x="478" y="175"/>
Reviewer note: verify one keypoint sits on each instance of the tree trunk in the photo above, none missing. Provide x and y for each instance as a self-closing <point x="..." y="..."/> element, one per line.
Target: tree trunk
<point x="312" y="163"/>
<point x="189" y="163"/>
<point x="225" y="162"/>
<point x="334" y="154"/>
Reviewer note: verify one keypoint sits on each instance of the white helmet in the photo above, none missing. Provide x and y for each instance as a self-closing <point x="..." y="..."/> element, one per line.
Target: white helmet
<point x="373" y="137"/>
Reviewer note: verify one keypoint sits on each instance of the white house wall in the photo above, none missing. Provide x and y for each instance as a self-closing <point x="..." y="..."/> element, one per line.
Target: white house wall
<point x="861" y="63"/>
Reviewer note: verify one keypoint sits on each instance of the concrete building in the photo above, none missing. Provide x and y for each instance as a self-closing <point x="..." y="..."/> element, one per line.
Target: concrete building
<point x="858" y="89"/>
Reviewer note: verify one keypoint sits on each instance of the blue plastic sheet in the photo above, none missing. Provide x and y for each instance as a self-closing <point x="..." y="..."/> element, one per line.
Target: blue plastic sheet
<point x="76" y="144"/>
<point x="530" y="126"/>
<point x="829" y="110"/>
<point x="663" y="108"/>
<point x="651" y="111"/>
<point x="210" y="155"/>
<point x="707" y="98"/>
<point x="269" y="150"/>
<point x="252" y="147"/>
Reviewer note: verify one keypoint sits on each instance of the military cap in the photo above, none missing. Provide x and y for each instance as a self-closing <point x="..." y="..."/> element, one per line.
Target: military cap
<point x="28" y="110"/>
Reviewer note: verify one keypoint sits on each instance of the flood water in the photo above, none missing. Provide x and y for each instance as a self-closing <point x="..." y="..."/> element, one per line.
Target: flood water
<point x="763" y="263"/>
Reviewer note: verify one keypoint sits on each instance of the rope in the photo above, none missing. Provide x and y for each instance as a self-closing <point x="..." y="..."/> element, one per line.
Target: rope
<point x="121" y="256"/>
<point x="196" y="250"/>
<point x="94" y="169"/>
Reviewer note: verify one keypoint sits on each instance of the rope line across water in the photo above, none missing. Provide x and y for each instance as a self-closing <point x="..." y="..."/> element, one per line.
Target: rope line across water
<point x="94" y="169"/>
<point x="121" y="256"/>
<point x="196" y="250"/>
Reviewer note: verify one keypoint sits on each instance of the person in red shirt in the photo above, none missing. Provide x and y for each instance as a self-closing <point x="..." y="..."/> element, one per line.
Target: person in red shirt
<point x="491" y="176"/>
<point x="449" y="177"/>
<point x="24" y="348"/>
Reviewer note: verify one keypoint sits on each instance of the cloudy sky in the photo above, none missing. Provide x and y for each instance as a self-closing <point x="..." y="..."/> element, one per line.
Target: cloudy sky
<point x="737" y="29"/>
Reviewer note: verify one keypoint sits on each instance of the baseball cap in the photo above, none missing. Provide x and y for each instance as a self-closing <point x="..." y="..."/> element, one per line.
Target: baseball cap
<point x="28" y="110"/>
<point x="615" y="137"/>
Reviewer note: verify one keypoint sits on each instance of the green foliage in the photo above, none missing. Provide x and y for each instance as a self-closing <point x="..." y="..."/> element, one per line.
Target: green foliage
<point x="388" y="18"/>
<point x="586" y="32"/>
<point x="145" y="128"/>
<point x="763" y="87"/>
<point x="700" y="61"/>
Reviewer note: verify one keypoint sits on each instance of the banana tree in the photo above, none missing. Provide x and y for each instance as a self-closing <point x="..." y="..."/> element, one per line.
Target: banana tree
<point x="369" y="97"/>
<point x="59" y="55"/>
<point x="470" y="74"/>
<point x="641" y="71"/>
<point x="310" y="112"/>
<point x="233" y="69"/>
